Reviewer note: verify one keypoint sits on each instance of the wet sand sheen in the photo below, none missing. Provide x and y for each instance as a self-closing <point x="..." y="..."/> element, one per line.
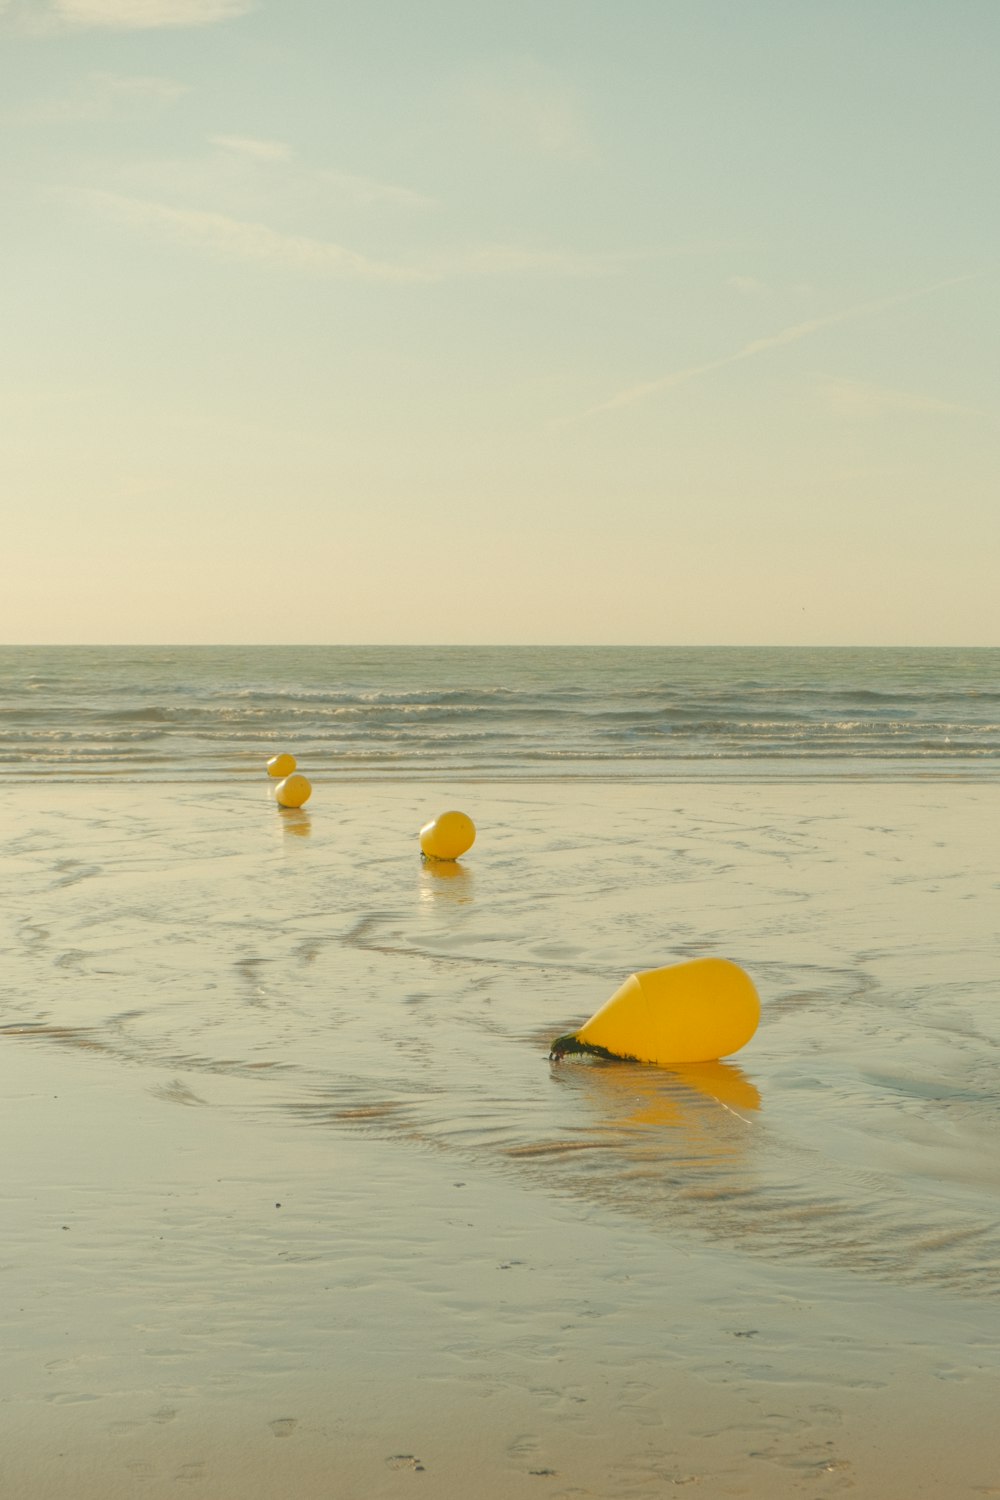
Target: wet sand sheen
<point x="776" y="1276"/>
<point x="174" y="1323"/>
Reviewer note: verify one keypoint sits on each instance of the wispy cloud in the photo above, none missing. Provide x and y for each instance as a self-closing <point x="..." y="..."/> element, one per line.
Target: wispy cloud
<point x="857" y="399"/>
<point x="237" y="239"/>
<point x="141" y="15"/>
<point x="123" y="15"/>
<point x="791" y="335"/>
<point x="747" y="286"/>
<point x="366" y="190"/>
<point x="245" y="145"/>
<point x="531" y="109"/>
<point x="512" y="260"/>
<point x="101" y="96"/>
<point x="228" y="237"/>
<point x="346" y="185"/>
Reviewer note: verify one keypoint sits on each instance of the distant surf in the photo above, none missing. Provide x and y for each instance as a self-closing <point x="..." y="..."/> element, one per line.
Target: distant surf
<point x="502" y="713"/>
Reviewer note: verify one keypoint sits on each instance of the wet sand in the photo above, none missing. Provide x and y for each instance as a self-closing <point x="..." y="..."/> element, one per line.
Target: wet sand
<point x="295" y="1204"/>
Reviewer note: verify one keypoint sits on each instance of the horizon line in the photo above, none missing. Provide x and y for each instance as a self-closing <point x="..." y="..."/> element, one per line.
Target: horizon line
<point x="491" y="646"/>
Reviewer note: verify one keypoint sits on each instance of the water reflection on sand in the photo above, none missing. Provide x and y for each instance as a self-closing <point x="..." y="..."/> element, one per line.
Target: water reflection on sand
<point x="367" y="991"/>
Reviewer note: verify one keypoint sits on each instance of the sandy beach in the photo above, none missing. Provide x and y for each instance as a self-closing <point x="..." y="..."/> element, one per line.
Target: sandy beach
<point x="295" y="1202"/>
<point x="582" y="418"/>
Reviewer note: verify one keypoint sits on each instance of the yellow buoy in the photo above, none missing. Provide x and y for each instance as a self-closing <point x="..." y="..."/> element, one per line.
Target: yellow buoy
<point x="691" y="1012"/>
<point x="449" y="835"/>
<point x="293" y="791"/>
<point x="281" y="765"/>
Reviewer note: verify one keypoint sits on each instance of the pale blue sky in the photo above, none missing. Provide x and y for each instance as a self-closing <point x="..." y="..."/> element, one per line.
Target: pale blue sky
<point x="549" y="320"/>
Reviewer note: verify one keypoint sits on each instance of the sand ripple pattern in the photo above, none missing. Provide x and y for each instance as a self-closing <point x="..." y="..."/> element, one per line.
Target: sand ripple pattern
<point x="315" y="972"/>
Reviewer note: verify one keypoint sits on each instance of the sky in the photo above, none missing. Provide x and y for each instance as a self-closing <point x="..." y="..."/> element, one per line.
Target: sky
<point x="528" y="321"/>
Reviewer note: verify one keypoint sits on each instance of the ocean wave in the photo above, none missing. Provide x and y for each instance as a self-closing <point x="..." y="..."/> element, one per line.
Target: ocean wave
<point x="570" y="711"/>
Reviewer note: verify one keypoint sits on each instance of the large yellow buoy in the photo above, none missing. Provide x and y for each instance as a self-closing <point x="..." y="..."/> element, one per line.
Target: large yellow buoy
<point x="447" y="836"/>
<point x="281" y="765"/>
<point x="690" y="1012"/>
<point x="293" y="791"/>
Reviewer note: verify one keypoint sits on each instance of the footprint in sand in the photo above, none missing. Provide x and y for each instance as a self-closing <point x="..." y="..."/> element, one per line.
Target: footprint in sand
<point x="190" y="1473"/>
<point x="283" y="1426"/>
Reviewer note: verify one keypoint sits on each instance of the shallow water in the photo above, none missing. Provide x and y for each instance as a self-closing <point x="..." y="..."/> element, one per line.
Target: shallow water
<point x="355" y="990"/>
<point x="201" y="1300"/>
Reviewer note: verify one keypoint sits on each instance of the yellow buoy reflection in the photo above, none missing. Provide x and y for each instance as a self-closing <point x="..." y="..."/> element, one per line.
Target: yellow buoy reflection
<point x="445" y="869"/>
<point x="650" y="1120"/>
<point x="445" y="881"/>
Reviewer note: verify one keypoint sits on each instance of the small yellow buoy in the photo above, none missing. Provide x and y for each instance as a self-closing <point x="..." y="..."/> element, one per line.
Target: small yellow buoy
<point x="449" y="835"/>
<point x="691" y="1012"/>
<point x="293" y="791"/>
<point x="281" y="765"/>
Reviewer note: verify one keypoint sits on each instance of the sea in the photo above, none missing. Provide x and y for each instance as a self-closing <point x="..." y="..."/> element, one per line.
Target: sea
<point x="500" y="713"/>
